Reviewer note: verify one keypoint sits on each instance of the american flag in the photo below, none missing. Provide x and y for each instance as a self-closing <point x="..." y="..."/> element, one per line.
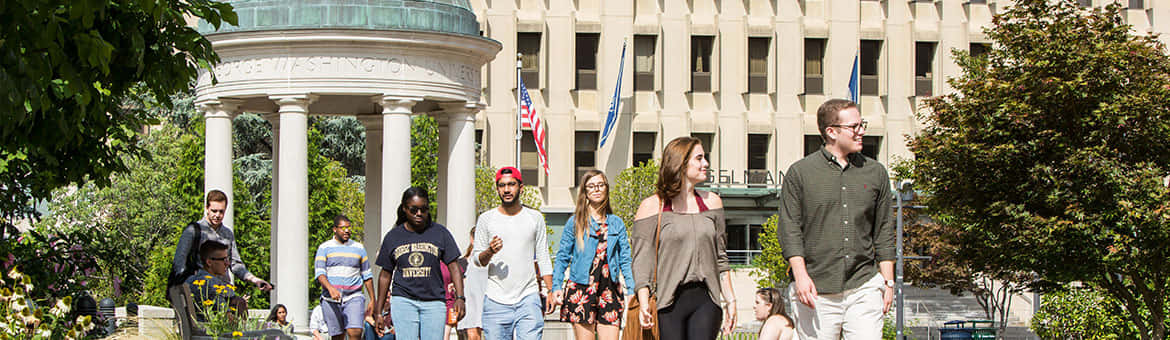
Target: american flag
<point x="529" y="119"/>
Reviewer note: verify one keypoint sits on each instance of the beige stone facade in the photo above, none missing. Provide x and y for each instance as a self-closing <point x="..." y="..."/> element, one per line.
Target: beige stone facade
<point x="674" y="45"/>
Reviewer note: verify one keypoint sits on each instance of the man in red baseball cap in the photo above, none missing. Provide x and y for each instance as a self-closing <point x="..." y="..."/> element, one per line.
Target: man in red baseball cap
<point x="512" y="306"/>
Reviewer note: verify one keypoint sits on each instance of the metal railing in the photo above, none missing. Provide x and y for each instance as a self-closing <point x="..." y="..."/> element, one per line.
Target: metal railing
<point x="742" y="256"/>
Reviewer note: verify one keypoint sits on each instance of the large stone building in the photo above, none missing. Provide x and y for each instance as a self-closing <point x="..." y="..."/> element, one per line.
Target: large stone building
<point x="744" y="76"/>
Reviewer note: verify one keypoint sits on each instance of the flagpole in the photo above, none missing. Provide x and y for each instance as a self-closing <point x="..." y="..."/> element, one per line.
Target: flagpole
<point x="519" y="63"/>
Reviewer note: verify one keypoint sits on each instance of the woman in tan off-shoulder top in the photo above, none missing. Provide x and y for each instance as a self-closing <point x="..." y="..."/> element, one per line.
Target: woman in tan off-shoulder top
<point x="692" y="268"/>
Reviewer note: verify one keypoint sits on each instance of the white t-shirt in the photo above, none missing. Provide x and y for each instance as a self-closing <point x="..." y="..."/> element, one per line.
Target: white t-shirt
<point x="473" y="283"/>
<point x="510" y="273"/>
<point x="317" y="321"/>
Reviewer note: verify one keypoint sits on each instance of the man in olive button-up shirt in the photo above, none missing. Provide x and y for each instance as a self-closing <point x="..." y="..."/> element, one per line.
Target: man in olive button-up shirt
<point x="836" y="232"/>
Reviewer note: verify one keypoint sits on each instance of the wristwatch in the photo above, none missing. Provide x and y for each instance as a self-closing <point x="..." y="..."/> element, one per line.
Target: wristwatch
<point x="890" y="283"/>
<point x="461" y="297"/>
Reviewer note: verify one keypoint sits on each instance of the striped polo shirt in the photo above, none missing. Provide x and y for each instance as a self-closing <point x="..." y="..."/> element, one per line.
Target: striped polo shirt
<point x="344" y="265"/>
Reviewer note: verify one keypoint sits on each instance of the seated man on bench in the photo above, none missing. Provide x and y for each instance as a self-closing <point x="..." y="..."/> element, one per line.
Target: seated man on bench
<point x="211" y="286"/>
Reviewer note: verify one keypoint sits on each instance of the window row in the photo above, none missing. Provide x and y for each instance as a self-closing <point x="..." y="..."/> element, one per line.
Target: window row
<point x="758" y="53"/>
<point x="644" y="144"/>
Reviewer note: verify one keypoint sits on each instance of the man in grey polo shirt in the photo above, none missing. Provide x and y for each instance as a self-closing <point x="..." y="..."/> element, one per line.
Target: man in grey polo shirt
<point x="836" y="232"/>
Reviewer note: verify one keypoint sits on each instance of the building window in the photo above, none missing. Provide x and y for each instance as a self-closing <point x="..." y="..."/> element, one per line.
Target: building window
<point x="644" y="145"/>
<point x="1085" y="3"/>
<point x="871" y="51"/>
<point x="758" y="64"/>
<point x="814" y="60"/>
<point x="584" y="153"/>
<point x="707" y="140"/>
<point x="870" y="145"/>
<point x="978" y="1"/>
<point x="479" y="147"/>
<point x="1136" y="4"/>
<point x="757" y="151"/>
<point x="644" y="48"/>
<point x="978" y="49"/>
<point x="757" y="158"/>
<point x="529" y="159"/>
<point x="924" y="68"/>
<point x="743" y="243"/>
<point x="813" y="143"/>
<point x="587" y="61"/>
<point x="701" y="63"/>
<point x="528" y="46"/>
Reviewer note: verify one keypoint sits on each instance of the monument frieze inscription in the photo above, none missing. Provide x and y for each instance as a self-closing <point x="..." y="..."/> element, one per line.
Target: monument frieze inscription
<point x="419" y="68"/>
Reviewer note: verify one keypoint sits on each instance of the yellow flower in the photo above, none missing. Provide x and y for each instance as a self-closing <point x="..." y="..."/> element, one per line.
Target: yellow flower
<point x="208" y="302"/>
<point x="207" y="276"/>
<point x="232" y="287"/>
<point x="237" y="334"/>
<point x="199" y="282"/>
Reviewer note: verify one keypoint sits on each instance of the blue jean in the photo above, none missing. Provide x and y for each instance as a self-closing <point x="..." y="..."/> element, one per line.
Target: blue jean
<point x="370" y="334"/>
<point x="414" y="319"/>
<point x="525" y="319"/>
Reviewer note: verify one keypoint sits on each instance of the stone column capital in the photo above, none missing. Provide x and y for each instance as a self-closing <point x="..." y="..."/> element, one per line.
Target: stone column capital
<point x="302" y="100"/>
<point x="461" y="107"/>
<point x="396" y="104"/>
<point x="219" y="107"/>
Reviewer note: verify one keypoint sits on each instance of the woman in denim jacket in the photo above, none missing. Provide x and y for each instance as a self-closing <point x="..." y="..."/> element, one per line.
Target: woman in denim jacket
<point x="596" y="250"/>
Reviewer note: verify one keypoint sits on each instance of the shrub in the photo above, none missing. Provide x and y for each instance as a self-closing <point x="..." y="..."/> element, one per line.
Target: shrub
<point x="1081" y="313"/>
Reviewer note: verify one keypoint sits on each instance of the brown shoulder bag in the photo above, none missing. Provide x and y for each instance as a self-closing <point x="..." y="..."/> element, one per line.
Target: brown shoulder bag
<point x="634" y="329"/>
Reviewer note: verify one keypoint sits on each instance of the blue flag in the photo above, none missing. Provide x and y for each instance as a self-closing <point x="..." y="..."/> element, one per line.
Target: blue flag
<point x="855" y="82"/>
<point x="612" y="116"/>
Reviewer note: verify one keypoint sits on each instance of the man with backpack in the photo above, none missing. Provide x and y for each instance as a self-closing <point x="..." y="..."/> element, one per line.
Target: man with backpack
<point x="210" y="228"/>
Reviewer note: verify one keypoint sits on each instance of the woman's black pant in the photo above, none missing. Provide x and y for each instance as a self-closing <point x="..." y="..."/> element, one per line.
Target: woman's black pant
<point x="693" y="316"/>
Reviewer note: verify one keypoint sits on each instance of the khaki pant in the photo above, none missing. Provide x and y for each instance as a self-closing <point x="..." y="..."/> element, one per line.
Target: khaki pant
<point x="851" y="315"/>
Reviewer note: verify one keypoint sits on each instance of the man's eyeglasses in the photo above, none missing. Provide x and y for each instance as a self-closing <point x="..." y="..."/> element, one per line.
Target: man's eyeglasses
<point x="593" y="187"/>
<point x="415" y="210"/>
<point x="855" y="127"/>
<point x="225" y="258"/>
<point x="342" y="227"/>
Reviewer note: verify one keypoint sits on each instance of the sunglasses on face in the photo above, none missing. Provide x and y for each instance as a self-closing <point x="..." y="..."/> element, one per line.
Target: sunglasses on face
<point x="219" y="258"/>
<point x="416" y="210"/>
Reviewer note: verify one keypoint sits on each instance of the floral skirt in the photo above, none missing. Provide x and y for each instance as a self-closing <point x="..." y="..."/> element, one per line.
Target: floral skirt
<point x="599" y="302"/>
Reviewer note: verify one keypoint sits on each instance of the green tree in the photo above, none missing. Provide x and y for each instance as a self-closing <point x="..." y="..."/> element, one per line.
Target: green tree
<point x="343" y="139"/>
<point x="771" y="266"/>
<point x="630" y="187"/>
<point x="68" y="67"/>
<point x="1050" y="156"/>
<point x="137" y="225"/>
<point x="424" y="157"/>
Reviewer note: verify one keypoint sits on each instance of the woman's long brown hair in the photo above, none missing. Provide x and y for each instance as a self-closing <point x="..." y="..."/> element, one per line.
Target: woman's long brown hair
<point x="673" y="169"/>
<point x="581" y="213"/>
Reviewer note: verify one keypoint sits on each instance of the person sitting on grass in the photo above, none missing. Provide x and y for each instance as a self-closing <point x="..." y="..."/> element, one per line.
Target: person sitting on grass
<point x="211" y="287"/>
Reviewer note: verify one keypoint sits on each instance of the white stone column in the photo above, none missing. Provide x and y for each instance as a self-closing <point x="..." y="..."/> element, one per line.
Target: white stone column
<point x="274" y="229"/>
<point x="441" y="193"/>
<point x="293" y="220"/>
<point x="217" y="152"/>
<point x="373" y="224"/>
<point x="396" y="113"/>
<point x="460" y="176"/>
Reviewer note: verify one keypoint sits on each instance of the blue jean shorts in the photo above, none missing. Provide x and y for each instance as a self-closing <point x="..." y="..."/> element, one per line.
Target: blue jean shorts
<point x="346" y="315"/>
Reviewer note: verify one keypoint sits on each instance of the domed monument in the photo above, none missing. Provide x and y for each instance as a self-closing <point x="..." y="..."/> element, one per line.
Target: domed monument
<point x="379" y="60"/>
